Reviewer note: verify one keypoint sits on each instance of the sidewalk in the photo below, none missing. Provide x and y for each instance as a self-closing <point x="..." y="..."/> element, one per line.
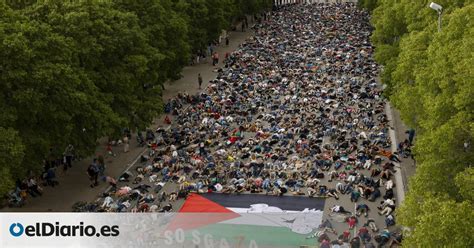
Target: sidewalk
<point x="74" y="184"/>
<point x="408" y="165"/>
<point x="400" y="181"/>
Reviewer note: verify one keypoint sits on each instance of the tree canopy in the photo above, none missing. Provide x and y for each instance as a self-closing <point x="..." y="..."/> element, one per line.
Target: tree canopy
<point x="72" y="72"/>
<point x="430" y="78"/>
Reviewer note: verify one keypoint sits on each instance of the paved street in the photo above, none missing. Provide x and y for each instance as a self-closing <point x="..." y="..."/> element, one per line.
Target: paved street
<point x="73" y="185"/>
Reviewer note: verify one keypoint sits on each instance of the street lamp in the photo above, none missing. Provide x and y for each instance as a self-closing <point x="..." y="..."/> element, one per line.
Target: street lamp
<point x="438" y="9"/>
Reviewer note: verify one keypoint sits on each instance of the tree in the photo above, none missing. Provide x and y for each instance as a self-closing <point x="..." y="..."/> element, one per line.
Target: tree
<point x="465" y="182"/>
<point x="112" y="50"/>
<point x="254" y="7"/>
<point x="40" y="89"/>
<point x="430" y="77"/>
<point x="217" y="20"/>
<point x="72" y="72"/>
<point x="411" y="59"/>
<point x="166" y="32"/>
<point x="196" y="14"/>
<point x="438" y="223"/>
<point x="370" y="5"/>
<point x="10" y="158"/>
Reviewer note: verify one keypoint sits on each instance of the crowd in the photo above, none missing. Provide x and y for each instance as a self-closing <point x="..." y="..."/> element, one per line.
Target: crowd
<point x="32" y="186"/>
<point x="295" y="110"/>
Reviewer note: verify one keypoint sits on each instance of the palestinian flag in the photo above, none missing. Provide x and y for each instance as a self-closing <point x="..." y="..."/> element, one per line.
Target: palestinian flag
<point x="270" y="221"/>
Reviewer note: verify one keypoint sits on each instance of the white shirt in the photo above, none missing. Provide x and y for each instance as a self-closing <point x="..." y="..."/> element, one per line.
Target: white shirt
<point x="152" y="178"/>
<point x="389" y="184"/>
<point x="336" y="208"/>
<point x="389" y="202"/>
<point x="126" y="204"/>
<point x="160" y="183"/>
<point x="107" y="201"/>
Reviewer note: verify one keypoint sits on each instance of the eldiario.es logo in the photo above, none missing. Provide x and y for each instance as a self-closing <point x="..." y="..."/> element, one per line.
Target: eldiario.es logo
<point x="46" y="229"/>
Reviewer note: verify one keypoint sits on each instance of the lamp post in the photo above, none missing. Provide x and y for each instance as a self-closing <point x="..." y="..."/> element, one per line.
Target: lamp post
<point x="438" y="9"/>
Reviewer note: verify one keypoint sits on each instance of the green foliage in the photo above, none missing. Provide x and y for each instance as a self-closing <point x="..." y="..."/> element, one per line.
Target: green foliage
<point x="166" y="32"/>
<point x="438" y="223"/>
<point x="72" y="72"/>
<point x="196" y="15"/>
<point x="11" y="156"/>
<point x="216" y="19"/>
<point x="465" y="183"/>
<point x="369" y="5"/>
<point x="429" y="76"/>
<point x="209" y="17"/>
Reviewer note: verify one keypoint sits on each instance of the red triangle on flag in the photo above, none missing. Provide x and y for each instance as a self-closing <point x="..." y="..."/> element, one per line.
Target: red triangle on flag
<point x="198" y="211"/>
<point x="199" y="204"/>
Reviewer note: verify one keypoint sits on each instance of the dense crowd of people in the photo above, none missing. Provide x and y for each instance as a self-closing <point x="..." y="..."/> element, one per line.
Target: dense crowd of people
<point x="295" y="110"/>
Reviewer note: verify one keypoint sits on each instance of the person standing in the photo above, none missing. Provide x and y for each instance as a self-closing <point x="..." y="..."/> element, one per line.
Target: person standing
<point x="210" y="49"/>
<point x="101" y="165"/>
<point x="199" y="80"/>
<point x="68" y="155"/>
<point x="110" y="151"/>
<point x="50" y="177"/>
<point x="215" y="59"/>
<point x="411" y="135"/>
<point x="227" y="41"/>
<point x="167" y="120"/>
<point x="93" y="173"/>
<point x="126" y="145"/>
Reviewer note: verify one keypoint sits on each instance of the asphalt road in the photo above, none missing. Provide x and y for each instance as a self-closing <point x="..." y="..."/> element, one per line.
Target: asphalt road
<point x="74" y="184"/>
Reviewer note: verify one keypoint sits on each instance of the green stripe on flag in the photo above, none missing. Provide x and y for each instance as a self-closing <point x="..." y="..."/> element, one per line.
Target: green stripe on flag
<point x="263" y="235"/>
